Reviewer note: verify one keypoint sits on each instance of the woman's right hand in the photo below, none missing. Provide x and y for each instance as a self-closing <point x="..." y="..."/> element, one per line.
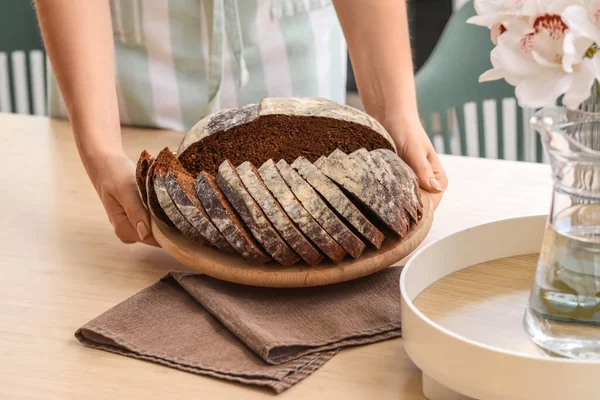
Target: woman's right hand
<point x="114" y="179"/>
<point x="78" y="38"/>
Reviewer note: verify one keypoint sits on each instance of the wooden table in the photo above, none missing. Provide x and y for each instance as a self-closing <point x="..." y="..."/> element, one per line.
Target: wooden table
<point x="62" y="266"/>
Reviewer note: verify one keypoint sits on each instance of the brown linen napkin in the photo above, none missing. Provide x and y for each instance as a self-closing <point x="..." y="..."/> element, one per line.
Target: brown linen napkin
<point x="259" y="336"/>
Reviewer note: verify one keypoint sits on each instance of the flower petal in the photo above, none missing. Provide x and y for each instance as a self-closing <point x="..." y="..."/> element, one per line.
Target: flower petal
<point x="596" y="65"/>
<point x="496" y="31"/>
<point x="558" y="6"/>
<point x="543" y="91"/>
<point x="544" y="62"/>
<point x="486" y="7"/>
<point x="488" y="20"/>
<point x="583" y="79"/>
<point x="569" y="51"/>
<point x="577" y="19"/>
<point x="492" y="75"/>
<point x="574" y="49"/>
<point x="531" y="7"/>
<point x="512" y="58"/>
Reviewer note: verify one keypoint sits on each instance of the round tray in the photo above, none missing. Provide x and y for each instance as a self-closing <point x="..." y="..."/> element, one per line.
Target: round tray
<point x="463" y="301"/>
<point x="233" y="268"/>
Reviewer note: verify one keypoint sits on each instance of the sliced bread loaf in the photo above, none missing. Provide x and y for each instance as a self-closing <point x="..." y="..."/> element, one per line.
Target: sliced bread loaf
<point x="275" y="183"/>
<point x="353" y="177"/>
<point x="280" y="220"/>
<point x="176" y="195"/>
<point x="141" y="172"/>
<point x="394" y="183"/>
<point x="180" y="187"/>
<point x="338" y="200"/>
<point x="162" y="161"/>
<point x="173" y="212"/>
<point x="234" y="190"/>
<point x="386" y="180"/>
<point x="226" y="220"/>
<point x="320" y="211"/>
<point x="403" y="174"/>
<point x="279" y="128"/>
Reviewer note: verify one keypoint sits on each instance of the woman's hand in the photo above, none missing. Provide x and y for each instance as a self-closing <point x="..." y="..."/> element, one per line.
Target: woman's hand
<point x="415" y="148"/>
<point x="114" y="180"/>
<point x="79" y="40"/>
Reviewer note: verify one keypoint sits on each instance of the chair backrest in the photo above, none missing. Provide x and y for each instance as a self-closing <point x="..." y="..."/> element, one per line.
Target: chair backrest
<point x="463" y="116"/>
<point x="22" y="59"/>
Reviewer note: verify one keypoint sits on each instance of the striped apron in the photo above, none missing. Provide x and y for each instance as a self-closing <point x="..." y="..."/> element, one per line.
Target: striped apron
<point x="179" y="60"/>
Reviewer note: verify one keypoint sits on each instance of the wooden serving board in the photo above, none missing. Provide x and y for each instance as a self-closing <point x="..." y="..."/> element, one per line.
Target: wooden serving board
<point x="233" y="268"/>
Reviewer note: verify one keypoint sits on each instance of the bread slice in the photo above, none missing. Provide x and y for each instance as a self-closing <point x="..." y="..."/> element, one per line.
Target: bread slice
<point x="275" y="183"/>
<point x="320" y="211"/>
<point x="386" y="180"/>
<point x="353" y="177"/>
<point x="226" y="220"/>
<point x="162" y="162"/>
<point x="404" y="174"/>
<point x="174" y="188"/>
<point x="280" y="220"/>
<point x="279" y="128"/>
<point x="339" y="201"/>
<point x="141" y="172"/>
<point x="173" y="212"/>
<point x="180" y="187"/>
<point x="387" y="177"/>
<point x="234" y="190"/>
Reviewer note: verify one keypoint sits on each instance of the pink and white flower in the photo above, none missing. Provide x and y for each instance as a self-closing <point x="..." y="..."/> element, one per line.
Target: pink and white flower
<point x="531" y="56"/>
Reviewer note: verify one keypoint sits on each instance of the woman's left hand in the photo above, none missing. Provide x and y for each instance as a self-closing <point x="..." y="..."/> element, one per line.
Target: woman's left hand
<point x="415" y="148"/>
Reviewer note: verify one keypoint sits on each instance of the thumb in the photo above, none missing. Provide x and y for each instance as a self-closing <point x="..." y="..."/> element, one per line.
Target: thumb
<point x="420" y="162"/>
<point x="137" y="214"/>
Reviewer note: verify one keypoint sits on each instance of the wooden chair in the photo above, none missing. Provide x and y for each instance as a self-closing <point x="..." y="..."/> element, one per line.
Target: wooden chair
<point x="22" y="60"/>
<point x="463" y="116"/>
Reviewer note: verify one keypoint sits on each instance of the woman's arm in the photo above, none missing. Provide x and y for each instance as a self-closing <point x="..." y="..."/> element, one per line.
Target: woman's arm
<point x="79" y="41"/>
<point x="379" y="47"/>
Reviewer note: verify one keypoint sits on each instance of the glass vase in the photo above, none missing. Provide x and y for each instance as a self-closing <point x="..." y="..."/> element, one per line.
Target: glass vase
<point x="563" y="316"/>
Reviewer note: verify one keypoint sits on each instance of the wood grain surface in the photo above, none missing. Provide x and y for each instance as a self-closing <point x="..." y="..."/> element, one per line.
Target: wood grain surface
<point x="485" y="302"/>
<point x="62" y="266"/>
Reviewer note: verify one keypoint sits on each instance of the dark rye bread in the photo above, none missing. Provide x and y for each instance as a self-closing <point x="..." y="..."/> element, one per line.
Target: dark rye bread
<point x="234" y="190"/>
<point x="275" y="183"/>
<point x="141" y="172"/>
<point x="339" y="201"/>
<point x="180" y="187"/>
<point x="354" y="177"/>
<point x="280" y="220"/>
<point x="226" y="220"/>
<point x="177" y="197"/>
<point x="279" y="129"/>
<point x="173" y="212"/>
<point x="404" y="174"/>
<point x="402" y="187"/>
<point x="280" y="137"/>
<point x="388" y="181"/>
<point x="162" y="162"/>
<point x="320" y="211"/>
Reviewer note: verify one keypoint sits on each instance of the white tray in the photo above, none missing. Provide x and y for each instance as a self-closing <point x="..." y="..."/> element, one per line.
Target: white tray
<point x="463" y="327"/>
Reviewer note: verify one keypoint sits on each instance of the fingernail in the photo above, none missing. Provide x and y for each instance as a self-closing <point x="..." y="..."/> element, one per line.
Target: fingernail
<point x="435" y="184"/>
<point x="142" y="230"/>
